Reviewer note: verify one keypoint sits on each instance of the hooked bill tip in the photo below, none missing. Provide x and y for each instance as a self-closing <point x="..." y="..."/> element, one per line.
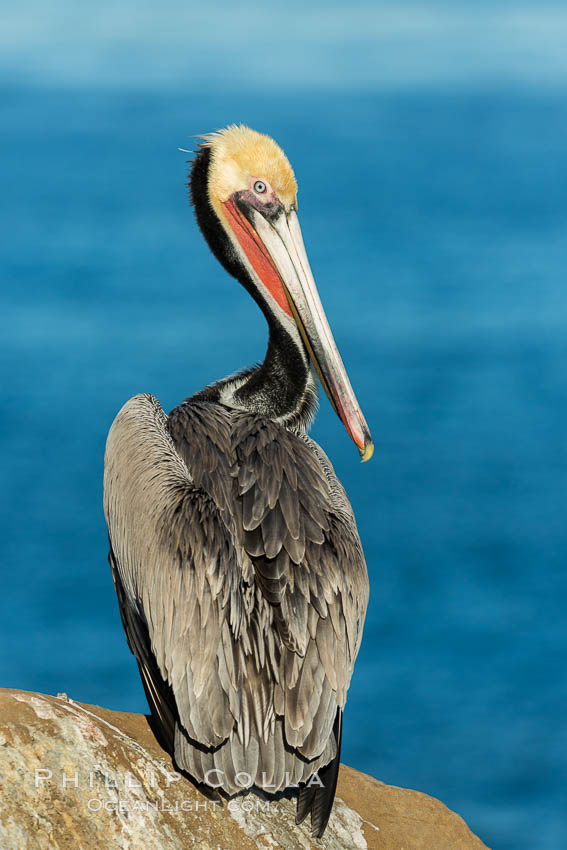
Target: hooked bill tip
<point x="367" y="452"/>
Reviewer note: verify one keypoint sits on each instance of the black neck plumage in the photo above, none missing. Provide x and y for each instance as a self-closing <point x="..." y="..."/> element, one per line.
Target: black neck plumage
<point x="283" y="386"/>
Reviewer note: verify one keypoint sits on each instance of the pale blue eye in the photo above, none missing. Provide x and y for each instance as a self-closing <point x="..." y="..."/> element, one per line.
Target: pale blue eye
<point x="260" y="187"/>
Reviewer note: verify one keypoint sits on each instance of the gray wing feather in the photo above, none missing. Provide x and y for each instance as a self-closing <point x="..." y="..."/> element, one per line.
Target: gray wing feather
<point x="309" y="565"/>
<point x="178" y="566"/>
<point x="237" y="545"/>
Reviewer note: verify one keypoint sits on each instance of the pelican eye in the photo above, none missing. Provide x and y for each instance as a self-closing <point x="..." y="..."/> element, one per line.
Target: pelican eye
<point x="260" y="187"/>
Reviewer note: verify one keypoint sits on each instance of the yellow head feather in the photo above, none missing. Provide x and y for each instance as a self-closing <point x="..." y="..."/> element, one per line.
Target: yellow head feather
<point x="239" y="153"/>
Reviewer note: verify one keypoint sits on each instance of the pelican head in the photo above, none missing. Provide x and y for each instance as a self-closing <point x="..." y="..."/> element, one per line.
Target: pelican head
<point x="252" y="192"/>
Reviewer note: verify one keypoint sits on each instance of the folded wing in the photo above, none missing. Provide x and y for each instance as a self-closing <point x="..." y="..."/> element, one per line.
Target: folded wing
<point x="242" y="587"/>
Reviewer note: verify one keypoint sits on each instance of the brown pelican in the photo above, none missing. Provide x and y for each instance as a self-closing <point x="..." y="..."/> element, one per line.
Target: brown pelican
<point x="234" y="550"/>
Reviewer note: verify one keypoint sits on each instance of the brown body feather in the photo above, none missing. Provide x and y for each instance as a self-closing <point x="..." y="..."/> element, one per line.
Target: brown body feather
<point x="242" y="587"/>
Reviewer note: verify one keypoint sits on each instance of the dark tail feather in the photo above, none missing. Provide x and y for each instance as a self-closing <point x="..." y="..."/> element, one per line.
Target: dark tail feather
<point x="318" y="799"/>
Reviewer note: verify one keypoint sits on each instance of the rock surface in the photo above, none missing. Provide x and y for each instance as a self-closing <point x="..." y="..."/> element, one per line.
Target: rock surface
<point x="80" y="777"/>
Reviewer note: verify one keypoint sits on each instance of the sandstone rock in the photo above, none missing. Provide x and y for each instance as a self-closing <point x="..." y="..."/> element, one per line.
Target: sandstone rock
<point x="80" y="777"/>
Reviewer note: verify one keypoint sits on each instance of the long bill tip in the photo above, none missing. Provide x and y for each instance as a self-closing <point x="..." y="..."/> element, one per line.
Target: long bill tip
<point x="367" y="452"/>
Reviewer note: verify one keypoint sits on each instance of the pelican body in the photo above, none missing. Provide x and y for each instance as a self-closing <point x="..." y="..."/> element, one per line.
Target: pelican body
<point x="234" y="551"/>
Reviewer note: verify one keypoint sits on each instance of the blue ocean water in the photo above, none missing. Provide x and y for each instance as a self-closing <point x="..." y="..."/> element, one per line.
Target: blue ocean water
<point x="436" y="225"/>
